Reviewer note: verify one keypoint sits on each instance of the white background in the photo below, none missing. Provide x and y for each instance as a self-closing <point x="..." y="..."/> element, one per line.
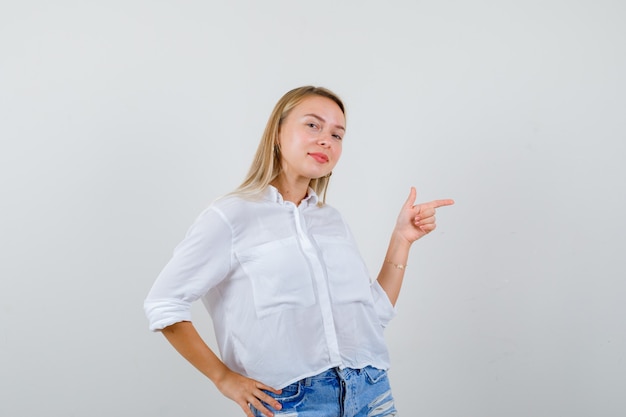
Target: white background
<point x="121" y="121"/>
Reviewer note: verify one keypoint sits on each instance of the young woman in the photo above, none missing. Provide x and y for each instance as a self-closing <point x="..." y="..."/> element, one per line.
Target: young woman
<point x="298" y="322"/>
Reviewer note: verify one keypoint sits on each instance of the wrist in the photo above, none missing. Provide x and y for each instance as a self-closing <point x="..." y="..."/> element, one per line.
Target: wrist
<point x="401" y="267"/>
<point x="400" y="242"/>
<point x="219" y="375"/>
<point x="397" y="252"/>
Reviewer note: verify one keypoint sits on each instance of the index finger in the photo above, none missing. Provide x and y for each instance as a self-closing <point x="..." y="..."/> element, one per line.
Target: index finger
<point x="441" y="203"/>
<point x="262" y="386"/>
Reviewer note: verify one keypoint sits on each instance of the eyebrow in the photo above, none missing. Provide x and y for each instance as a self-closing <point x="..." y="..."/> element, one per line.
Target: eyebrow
<point x="321" y="119"/>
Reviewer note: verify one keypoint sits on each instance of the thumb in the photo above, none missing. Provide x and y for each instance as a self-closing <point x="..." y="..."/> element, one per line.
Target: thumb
<point x="411" y="200"/>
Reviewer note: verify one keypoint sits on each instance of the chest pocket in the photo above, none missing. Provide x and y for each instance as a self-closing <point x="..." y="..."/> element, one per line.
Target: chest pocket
<point x="348" y="277"/>
<point x="280" y="276"/>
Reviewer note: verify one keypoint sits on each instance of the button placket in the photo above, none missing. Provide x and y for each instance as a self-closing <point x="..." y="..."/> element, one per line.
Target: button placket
<point x="321" y="285"/>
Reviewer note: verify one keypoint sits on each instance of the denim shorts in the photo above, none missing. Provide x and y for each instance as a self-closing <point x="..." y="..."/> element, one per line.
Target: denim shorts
<point x="337" y="393"/>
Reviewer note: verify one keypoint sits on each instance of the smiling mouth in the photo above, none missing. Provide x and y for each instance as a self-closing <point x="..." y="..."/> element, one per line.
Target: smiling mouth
<point x="319" y="157"/>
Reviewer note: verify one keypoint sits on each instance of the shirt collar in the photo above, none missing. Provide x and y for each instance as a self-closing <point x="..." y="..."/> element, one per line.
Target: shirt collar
<point x="272" y="194"/>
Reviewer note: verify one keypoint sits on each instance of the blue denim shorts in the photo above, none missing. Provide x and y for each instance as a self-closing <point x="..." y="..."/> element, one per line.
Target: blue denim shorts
<point x="337" y="393"/>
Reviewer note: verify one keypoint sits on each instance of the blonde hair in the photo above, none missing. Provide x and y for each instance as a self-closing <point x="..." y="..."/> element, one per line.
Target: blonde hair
<point x="266" y="164"/>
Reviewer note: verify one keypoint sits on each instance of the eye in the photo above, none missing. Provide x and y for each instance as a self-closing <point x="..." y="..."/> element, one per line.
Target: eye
<point x="312" y="125"/>
<point x="338" y="137"/>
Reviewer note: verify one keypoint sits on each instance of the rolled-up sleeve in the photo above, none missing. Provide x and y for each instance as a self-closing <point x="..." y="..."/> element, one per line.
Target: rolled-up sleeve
<point x="382" y="305"/>
<point x="384" y="309"/>
<point x="199" y="262"/>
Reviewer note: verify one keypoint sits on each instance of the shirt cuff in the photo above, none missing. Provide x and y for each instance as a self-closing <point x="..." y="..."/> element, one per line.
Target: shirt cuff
<point x="384" y="309"/>
<point x="163" y="313"/>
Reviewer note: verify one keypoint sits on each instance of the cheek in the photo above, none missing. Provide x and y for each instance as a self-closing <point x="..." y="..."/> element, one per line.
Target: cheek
<point x="338" y="151"/>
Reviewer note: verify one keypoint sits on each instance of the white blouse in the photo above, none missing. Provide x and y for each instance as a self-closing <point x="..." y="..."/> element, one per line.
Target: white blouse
<point x="287" y="290"/>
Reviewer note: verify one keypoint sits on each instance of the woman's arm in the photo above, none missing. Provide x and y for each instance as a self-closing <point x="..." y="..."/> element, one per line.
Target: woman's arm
<point x="242" y="390"/>
<point x="414" y="222"/>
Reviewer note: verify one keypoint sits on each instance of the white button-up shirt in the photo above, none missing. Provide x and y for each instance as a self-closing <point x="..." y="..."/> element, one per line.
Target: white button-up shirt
<point x="287" y="290"/>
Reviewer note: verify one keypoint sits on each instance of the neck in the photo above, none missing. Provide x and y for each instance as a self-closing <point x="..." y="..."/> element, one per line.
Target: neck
<point x="294" y="190"/>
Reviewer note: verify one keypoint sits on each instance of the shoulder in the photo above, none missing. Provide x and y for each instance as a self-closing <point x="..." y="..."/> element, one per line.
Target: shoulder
<point x="226" y="203"/>
<point x="234" y="208"/>
<point x="327" y="220"/>
<point x="329" y="211"/>
<point x="235" y="202"/>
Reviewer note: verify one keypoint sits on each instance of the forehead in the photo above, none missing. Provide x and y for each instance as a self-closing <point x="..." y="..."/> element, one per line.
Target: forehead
<point x="321" y="106"/>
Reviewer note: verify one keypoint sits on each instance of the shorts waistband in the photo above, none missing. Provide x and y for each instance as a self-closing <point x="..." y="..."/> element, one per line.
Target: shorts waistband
<point x="331" y="373"/>
<point x="336" y="373"/>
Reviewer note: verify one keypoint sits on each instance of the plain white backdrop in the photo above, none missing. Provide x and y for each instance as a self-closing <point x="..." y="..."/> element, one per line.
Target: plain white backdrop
<point x="121" y="121"/>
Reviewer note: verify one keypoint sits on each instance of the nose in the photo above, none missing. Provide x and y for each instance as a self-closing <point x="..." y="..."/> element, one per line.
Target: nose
<point x="324" y="140"/>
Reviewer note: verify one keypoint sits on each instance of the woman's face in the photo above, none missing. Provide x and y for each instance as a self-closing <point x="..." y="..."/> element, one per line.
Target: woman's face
<point x="310" y="138"/>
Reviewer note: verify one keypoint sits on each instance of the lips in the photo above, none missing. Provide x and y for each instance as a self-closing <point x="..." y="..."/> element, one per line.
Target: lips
<point x="319" y="157"/>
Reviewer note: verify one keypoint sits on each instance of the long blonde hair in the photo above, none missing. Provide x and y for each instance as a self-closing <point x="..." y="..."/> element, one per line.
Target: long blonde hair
<point x="266" y="163"/>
